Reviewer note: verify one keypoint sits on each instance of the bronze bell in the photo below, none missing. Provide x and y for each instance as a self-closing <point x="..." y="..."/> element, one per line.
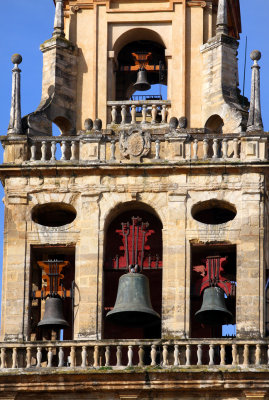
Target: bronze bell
<point x="53" y="316"/>
<point x="133" y="305"/>
<point x="214" y="310"/>
<point x="141" y="81"/>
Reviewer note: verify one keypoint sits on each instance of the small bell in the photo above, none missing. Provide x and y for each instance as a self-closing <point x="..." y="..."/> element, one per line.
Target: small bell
<point x="214" y="310"/>
<point x="133" y="305"/>
<point x="53" y="316"/>
<point x="141" y="82"/>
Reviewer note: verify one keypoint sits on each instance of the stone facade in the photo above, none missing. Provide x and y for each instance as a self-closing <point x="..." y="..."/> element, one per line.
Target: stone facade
<point x="134" y="157"/>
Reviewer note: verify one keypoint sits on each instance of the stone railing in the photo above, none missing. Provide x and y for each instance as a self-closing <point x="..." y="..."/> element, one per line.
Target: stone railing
<point x="139" y="145"/>
<point x="54" y="149"/>
<point x="135" y="353"/>
<point x="140" y="111"/>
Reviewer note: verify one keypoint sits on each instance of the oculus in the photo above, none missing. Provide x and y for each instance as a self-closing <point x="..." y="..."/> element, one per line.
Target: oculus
<point x="54" y="214"/>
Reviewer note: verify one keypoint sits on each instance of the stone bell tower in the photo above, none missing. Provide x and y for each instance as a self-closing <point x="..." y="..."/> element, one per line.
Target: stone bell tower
<point x="165" y="190"/>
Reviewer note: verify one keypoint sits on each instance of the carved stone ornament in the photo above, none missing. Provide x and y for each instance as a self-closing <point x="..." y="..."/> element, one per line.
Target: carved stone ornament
<point x="135" y="143"/>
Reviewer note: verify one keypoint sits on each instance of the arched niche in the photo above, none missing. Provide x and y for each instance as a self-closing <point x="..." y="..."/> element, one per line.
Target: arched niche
<point x="138" y="41"/>
<point x="214" y="124"/>
<point x="115" y="266"/>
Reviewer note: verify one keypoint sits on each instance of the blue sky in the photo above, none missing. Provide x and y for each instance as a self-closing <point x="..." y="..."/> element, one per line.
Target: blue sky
<point x="25" y="24"/>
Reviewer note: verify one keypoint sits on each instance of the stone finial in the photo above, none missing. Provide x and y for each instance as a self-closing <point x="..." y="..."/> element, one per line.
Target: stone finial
<point x="255" y="118"/>
<point x="222" y="18"/>
<point x="15" y="125"/>
<point x="59" y="19"/>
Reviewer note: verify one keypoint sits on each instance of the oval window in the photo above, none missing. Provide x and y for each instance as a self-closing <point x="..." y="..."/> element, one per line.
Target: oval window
<point x="54" y="214"/>
<point x="213" y="212"/>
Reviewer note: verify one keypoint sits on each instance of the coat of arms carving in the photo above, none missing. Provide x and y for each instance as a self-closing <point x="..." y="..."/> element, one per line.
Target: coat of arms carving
<point x="135" y="143"/>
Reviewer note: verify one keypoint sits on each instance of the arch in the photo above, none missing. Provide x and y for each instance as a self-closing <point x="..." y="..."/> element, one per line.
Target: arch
<point x="136" y="34"/>
<point x="214" y="124"/>
<point x="115" y="262"/>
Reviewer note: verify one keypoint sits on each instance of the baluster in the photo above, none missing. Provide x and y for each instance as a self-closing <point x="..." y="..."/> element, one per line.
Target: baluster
<point x="3" y="357"/>
<point x="157" y="149"/>
<point x="107" y="356"/>
<point x="33" y="152"/>
<point x="165" y="355"/>
<point x="205" y="148"/>
<point x="133" y="114"/>
<point x="118" y="356"/>
<point x="28" y="357"/>
<point x="215" y="149"/>
<point x="268" y="355"/>
<point x="199" y="354"/>
<point x="246" y="355"/>
<point x="49" y="365"/>
<point x="114" y="114"/>
<point x="222" y="354"/>
<point x="95" y="356"/>
<point x="63" y="149"/>
<point x="258" y="354"/>
<point x="224" y="148"/>
<point x="188" y="354"/>
<point x="154" y="113"/>
<point x="61" y="357"/>
<point x="38" y="357"/>
<point x="141" y="356"/>
<point x="130" y="356"/>
<point x="187" y="150"/>
<point x="195" y="149"/>
<point x="14" y="358"/>
<point x="144" y="114"/>
<point x="235" y="148"/>
<point x="234" y="354"/>
<point x="211" y="354"/>
<point x="112" y="150"/>
<point x="73" y="150"/>
<point x="176" y="356"/>
<point x="53" y="151"/>
<point x="164" y="113"/>
<point x="153" y="354"/>
<point x="123" y="114"/>
<point x="72" y="357"/>
<point x="84" y="357"/>
<point x="43" y="151"/>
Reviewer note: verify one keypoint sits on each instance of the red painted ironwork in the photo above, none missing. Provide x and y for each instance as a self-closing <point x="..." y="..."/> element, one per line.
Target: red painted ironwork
<point x="212" y="274"/>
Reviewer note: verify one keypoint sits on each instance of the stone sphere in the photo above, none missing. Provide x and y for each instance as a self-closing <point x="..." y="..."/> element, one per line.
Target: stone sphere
<point x="173" y="123"/>
<point x="255" y="55"/>
<point x="16" y="59"/>
<point x="182" y="122"/>
<point x="97" y="125"/>
<point x="88" y="124"/>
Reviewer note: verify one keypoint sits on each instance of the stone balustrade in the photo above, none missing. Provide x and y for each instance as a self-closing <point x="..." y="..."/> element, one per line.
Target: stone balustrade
<point x="54" y="149"/>
<point x="135" y="353"/>
<point x="140" y="111"/>
<point x="160" y="146"/>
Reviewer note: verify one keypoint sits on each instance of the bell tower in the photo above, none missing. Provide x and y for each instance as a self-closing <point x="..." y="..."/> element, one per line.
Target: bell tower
<point x="136" y="239"/>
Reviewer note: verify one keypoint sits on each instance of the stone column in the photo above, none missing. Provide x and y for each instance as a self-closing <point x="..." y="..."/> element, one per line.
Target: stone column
<point x="255" y="118"/>
<point x="15" y="126"/>
<point x="222" y="20"/>
<point x="174" y="268"/>
<point x="250" y="280"/>
<point x="87" y="271"/>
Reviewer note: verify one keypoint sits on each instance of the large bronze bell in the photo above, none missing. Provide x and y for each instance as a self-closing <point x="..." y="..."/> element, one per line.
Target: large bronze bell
<point x="133" y="305"/>
<point x="141" y="81"/>
<point x="214" y="310"/>
<point x="53" y="316"/>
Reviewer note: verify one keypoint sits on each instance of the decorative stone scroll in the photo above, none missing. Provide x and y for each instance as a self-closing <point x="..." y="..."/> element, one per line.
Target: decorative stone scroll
<point x="135" y="143"/>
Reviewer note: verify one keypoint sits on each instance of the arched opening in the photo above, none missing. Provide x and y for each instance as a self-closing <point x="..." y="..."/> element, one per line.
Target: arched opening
<point x="213" y="212"/>
<point x="214" y="124"/>
<point x="143" y="49"/>
<point x="145" y="250"/>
